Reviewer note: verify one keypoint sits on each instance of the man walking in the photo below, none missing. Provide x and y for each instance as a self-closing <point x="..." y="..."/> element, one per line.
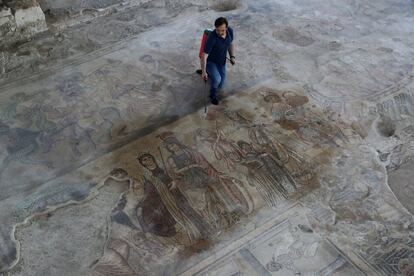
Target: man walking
<point x="213" y="63"/>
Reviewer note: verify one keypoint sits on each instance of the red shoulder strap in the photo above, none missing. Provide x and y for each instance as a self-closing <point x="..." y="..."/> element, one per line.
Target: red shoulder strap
<point x="203" y="43"/>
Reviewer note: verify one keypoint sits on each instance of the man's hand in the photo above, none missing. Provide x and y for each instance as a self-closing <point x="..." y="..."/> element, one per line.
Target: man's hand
<point x="204" y="75"/>
<point x="232" y="60"/>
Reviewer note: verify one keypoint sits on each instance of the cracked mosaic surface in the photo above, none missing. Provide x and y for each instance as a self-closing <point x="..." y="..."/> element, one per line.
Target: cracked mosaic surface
<point x="109" y="165"/>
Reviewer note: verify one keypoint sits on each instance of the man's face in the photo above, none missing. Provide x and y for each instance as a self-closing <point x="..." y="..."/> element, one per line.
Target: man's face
<point x="173" y="147"/>
<point x="119" y="173"/>
<point x="136" y="186"/>
<point x="205" y="133"/>
<point x="148" y="162"/>
<point x="221" y="30"/>
<point x="272" y="99"/>
<point x="246" y="147"/>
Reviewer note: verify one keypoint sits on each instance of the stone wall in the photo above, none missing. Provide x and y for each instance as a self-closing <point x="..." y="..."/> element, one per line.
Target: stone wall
<point x="70" y="8"/>
<point x="7" y="23"/>
<point x="77" y="5"/>
<point x="20" y="20"/>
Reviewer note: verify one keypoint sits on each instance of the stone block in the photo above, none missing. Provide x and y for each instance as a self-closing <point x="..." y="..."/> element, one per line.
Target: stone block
<point x="32" y="15"/>
<point x="4" y="20"/>
<point x="5" y="12"/>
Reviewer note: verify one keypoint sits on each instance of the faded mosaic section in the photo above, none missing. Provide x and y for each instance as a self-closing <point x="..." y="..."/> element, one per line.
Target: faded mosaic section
<point x="286" y="246"/>
<point x="47" y="130"/>
<point x="205" y="186"/>
<point x="72" y="204"/>
<point x="195" y="185"/>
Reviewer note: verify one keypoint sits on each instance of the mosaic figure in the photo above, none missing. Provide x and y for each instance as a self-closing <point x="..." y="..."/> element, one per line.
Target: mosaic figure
<point x="111" y="117"/>
<point x="286" y="104"/>
<point x="152" y="214"/>
<point x="315" y="132"/>
<point x="224" y="149"/>
<point x="177" y="208"/>
<point x="11" y="111"/>
<point x="267" y="173"/>
<point x="115" y="260"/>
<point x="279" y="107"/>
<point x="21" y="144"/>
<point x="119" y="216"/>
<point x="331" y="133"/>
<point x="36" y="117"/>
<point x="263" y="140"/>
<point x="259" y="135"/>
<point x="406" y="266"/>
<point x="202" y="183"/>
<point x="71" y="87"/>
<point x="76" y="136"/>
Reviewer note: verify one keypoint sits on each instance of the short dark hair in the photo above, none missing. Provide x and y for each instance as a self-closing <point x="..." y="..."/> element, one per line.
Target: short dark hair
<point x="242" y="143"/>
<point x="220" y="21"/>
<point x="141" y="156"/>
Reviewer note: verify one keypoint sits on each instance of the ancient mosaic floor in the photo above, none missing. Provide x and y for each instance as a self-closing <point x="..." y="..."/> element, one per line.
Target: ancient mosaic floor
<point x="110" y="166"/>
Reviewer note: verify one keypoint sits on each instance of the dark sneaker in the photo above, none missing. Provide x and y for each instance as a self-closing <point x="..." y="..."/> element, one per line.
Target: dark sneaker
<point x="214" y="101"/>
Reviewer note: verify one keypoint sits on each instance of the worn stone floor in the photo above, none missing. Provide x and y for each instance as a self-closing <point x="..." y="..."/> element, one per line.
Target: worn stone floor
<point x="110" y="166"/>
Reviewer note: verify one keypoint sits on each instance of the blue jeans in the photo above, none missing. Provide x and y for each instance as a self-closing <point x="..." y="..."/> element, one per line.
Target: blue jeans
<point x="217" y="76"/>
